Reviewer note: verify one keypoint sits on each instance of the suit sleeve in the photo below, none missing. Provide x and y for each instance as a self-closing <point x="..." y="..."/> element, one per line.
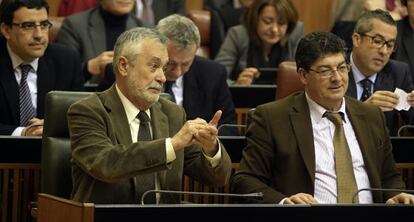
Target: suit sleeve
<point x="94" y="151"/>
<point x="257" y="164"/>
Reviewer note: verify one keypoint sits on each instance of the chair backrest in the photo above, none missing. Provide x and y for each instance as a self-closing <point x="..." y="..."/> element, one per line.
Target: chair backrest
<point x="288" y="80"/>
<point x="56" y="151"/>
<point x="57" y="24"/>
<point x="202" y="19"/>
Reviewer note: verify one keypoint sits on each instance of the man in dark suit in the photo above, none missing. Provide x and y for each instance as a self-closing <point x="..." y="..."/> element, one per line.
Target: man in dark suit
<point x="93" y="34"/>
<point x="405" y="37"/>
<point x="127" y="140"/>
<point x="198" y="84"/>
<point x="25" y="26"/>
<point x="374" y="77"/>
<point x="296" y="154"/>
<point x="158" y="9"/>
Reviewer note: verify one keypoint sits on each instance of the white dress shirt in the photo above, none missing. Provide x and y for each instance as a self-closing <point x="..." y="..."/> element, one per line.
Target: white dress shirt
<point x="325" y="174"/>
<point x="31" y="80"/>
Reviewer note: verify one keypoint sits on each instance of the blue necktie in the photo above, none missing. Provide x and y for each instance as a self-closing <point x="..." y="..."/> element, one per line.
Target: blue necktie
<point x="145" y="181"/>
<point x="366" y="86"/>
<point x="27" y="111"/>
<point x="168" y="89"/>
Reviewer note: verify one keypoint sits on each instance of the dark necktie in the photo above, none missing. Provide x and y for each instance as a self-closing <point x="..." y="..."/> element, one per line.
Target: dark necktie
<point x="27" y="111"/>
<point x="345" y="179"/>
<point x="168" y="89"/>
<point x="145" y="181"/>
<point x="366" y="86"/>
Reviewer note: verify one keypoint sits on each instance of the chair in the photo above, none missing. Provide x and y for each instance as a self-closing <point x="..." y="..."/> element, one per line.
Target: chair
<point x="202" y="19"/>
<point x="57" y="24"/>
<point x="56" y="151"/>
<point x="288" y="80"/>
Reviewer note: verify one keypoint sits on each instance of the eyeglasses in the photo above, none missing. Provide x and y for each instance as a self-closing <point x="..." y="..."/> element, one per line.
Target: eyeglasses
<point x="326" y="73"/>
<point x="379" y="42"/>
<point x="31" y="26"/>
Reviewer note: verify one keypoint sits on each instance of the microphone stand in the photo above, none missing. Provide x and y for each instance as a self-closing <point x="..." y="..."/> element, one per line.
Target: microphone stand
<point x="254" y="195"/>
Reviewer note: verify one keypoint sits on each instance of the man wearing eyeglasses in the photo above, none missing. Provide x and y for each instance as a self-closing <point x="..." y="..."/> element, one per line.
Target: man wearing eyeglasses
<point x="374" y="77"/>
<point x="319" y="146"/>
<point x="30" y="67"/>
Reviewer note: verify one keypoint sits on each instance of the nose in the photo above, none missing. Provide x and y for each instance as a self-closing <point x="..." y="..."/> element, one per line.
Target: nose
<point x="275" y="27"/>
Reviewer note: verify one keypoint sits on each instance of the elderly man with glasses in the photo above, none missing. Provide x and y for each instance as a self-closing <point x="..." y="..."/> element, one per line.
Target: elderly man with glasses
<point x="374" y="77"/>
<point x="30" y="67"/>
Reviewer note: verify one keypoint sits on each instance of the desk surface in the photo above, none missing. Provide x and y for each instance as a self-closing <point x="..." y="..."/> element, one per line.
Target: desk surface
<point x="18" y="149"/>
<point x="253" y="212"/>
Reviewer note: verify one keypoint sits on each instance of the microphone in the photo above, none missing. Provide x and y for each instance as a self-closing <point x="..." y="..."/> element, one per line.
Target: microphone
<point x="380" y="189"/>
<point x="258" y="195"/>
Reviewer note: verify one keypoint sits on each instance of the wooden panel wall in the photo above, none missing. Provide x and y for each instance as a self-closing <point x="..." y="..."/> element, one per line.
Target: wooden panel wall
<point x="315" y="14"/>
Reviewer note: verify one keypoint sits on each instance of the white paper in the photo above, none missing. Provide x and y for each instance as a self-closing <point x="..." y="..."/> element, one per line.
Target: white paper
<point x="402" y="103"/>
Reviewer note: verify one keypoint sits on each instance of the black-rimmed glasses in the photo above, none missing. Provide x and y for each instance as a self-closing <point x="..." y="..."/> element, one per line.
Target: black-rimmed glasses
<point x="30" y="26"/>
<point x="378" y="42"/>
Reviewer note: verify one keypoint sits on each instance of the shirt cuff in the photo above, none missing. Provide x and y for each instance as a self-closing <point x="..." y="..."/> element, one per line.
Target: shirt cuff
<point x="18" y="131"/>
<point x="215" y="160"/>
<point x="169" y="150"/>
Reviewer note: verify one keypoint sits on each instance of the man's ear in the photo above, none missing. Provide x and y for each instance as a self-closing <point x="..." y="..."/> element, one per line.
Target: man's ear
<point x="5" y="30"/>
<point x="356" y="39"/>
<point x="303" y="76"/>
<point x="122" y="66"/>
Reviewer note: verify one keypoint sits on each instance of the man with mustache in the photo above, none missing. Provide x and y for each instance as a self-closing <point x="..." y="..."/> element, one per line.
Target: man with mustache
<point x="112" y="160"/>
<point x="373" y="76"/>
<point x="30" y="67"/>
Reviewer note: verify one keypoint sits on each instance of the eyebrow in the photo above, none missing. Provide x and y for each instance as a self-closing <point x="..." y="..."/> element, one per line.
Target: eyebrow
<point x="328" y="66"/>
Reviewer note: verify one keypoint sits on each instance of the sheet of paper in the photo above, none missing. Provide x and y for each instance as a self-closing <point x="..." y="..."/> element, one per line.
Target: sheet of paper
<point x="402" y="103"/>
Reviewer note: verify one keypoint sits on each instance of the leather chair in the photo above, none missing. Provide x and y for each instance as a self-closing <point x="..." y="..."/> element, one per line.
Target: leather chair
<point x="288" y="80"/>
<point x="57" y="24"/>
<point x="202" y="19"/>
<point x="56" y="151"/>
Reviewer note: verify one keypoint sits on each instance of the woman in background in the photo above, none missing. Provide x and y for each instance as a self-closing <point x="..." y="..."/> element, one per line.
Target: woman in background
<point x="268" y="35"/>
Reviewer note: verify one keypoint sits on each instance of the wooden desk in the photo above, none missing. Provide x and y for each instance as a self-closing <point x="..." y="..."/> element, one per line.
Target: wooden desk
<point x="19" y="176"/>
<point x="58" y="209"/>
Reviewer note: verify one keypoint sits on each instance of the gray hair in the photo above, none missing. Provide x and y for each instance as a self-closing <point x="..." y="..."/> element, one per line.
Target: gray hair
<point x="181" y="30"/>
<point x="129" y="43"/>
<point x="364" y="23"/>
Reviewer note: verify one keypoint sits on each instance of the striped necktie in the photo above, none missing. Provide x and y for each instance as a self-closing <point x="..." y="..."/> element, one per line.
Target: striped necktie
<point x="27" y="111"/>
<point x="366" y="86"/>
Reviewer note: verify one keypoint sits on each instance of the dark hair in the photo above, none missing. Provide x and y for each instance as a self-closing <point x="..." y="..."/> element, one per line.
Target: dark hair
<point x="317" y="45"/>
<point x="404" y="2"/>
<point x="364" y="23"/>
<point x="287" y="14"/>
<point x="9" y="9"/>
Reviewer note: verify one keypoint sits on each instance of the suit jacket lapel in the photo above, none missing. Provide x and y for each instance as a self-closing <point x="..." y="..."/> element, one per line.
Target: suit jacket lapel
<point x="9" y="83"/>
<point x="302" y="129"/>
<point x="96" y="31"/>
<point x="159" y="122"/>
<point x="351" y="91"/>
<point x="117" y="114"/>
<point x="384" y="81"/>
<point x="193" y="93"/>
<point x="362" y="132"/>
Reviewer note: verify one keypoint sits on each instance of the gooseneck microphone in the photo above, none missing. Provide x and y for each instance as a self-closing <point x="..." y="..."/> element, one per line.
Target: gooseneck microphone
<point x="258" y="195"/>
<point x="381" y="189"/>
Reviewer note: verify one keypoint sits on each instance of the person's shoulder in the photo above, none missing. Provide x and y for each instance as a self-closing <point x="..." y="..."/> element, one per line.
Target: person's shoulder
<point x="396" y="66"/>
<point x="170" y="108"/>
<point x="207" y="69"/>
<point x="80" y="16"/>
<point x="238" y="29"/>
<point x="58" y="51"/>
<point x="361" y="106"/>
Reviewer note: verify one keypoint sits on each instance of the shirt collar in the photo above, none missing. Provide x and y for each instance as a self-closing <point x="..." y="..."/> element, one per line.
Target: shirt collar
<point x="17" y="61"/>
<point x="317" y="111"/>
<point x="130" y="109"/>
